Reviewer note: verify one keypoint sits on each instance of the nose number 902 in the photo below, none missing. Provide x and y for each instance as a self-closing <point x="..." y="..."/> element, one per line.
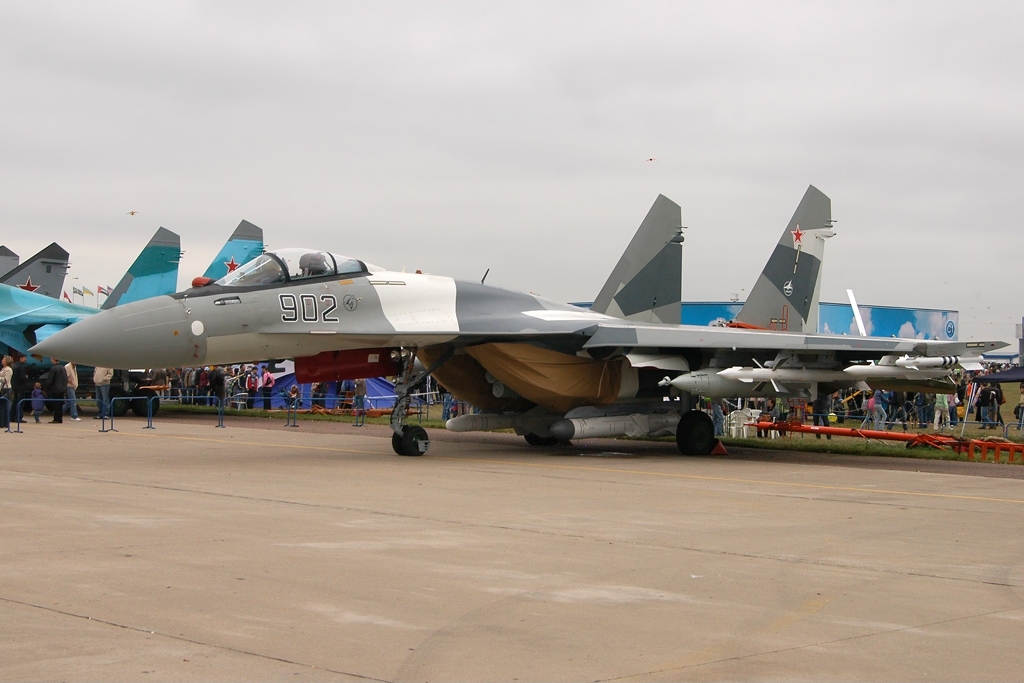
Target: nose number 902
<point x="308" y="308"/>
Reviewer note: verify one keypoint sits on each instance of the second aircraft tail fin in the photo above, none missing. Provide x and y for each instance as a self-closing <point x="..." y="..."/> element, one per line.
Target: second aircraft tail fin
<point x="42" y="273"/>
<point x="785" y="296"/>
<point x="154" y="272"/>
<point x="245" y="244"/>
<point x="646" y="284"/>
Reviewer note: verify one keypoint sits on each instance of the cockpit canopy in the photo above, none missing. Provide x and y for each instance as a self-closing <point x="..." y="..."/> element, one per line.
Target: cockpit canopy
<point x="287" y="265"/>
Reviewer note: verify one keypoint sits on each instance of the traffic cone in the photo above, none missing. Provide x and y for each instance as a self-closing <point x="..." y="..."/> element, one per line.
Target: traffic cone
<point x="719" y="448"/>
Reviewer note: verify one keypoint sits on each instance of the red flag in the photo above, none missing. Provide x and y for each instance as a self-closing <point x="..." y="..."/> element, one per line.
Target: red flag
<point x="67" y="297"/>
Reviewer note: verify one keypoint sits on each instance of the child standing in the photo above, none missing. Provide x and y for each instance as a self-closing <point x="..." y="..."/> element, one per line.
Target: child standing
<point x="38" y="401"/>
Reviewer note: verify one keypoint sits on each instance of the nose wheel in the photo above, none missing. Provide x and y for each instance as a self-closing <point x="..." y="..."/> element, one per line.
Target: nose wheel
<point x="412" y="441"/>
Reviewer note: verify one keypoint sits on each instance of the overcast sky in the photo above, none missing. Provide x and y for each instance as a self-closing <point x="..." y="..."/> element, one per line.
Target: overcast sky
<point x="457" y="137"/>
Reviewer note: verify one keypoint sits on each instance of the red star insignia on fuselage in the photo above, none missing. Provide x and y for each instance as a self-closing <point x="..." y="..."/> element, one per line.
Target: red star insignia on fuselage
<point x="231" y="264"/>
<point x="28" y="286"/>
<point x="797" y="236"/>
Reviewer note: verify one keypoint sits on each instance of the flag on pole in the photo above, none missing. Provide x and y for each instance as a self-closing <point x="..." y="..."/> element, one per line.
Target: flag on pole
<point x="86" y="291"/>
<point x="67" y="297"/>
<point x="76" y="290"/>
<point x="106" y="291"/>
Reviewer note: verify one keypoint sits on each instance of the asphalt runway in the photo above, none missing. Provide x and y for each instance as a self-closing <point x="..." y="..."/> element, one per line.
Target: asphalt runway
<point x="262" y="553"/>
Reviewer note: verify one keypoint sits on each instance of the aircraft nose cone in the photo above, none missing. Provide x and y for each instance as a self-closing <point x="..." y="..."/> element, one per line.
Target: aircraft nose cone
<point x="144" y="334"/>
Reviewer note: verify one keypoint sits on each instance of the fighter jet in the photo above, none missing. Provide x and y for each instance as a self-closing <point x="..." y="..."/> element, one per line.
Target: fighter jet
<point x="546" y="369"/>
<point x="43" y="273"/>
<point x="27" y="318"/>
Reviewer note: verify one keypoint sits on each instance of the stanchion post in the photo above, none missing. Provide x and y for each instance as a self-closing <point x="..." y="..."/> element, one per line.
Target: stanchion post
<point x="149" y="412"/>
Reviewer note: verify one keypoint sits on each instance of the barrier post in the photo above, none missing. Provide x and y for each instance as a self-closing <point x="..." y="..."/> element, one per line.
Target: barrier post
<point x="149" y="412"/>
<point x="21" y="413"/>
<point x="292" y="415"/>
<point x="7" y="412"/>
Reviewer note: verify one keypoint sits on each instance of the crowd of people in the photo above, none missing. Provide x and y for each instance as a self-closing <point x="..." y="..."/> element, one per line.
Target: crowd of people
<point x="243" y="385"/>
<point x="972" y="400"/>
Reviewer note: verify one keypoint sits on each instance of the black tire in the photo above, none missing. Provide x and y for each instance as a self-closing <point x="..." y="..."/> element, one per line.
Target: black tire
<point x="138" y="407"/>
<point x="415" y="440"/>
<point x="535" y="440"/>
<point x="396" y="443"/>
<point x="118" y="408"/>
<point x="696" y="434"/>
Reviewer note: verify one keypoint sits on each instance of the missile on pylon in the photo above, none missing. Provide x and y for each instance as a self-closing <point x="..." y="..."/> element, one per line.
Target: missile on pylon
<point x="793" y="375"/>
<point x="484" y="422"/>
<point x="945" y="362"/>
<point x="708" y="383"/>
<point x="637" y="424"/>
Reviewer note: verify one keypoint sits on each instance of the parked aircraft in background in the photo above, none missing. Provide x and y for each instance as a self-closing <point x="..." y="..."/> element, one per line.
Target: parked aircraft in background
<point x="546" y="369"/>
<point x="42" y="273"/>
<point x="27" y="318"/>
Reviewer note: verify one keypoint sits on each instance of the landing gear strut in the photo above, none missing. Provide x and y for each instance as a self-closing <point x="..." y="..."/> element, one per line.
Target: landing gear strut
<point x="695" y="434"/>
<point x="410" y="439"/>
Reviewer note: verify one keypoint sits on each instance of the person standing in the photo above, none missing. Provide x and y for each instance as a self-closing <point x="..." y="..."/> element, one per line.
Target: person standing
<point x="38" y="401"/>
<point x="252" y="387"/>
<point x="218" y="384"/>
<point x="5" y="391"/>
<point x="941" y="412"/>
<point x="19" y="386"/>
<point x="55" y="383"/>
<point x="267" y="382"/>
<point x="820" y="414"/>
<point x="71" y="407"/>
<point x="359" y="402"/>
<point x="101" y="378"/>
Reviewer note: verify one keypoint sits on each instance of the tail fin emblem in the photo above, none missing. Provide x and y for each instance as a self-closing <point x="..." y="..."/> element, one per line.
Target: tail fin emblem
<point x="798" y="236"/>
<point x="787" y="288"/>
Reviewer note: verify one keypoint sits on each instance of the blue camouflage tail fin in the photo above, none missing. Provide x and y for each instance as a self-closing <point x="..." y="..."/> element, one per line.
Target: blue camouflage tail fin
<point x="785" y="296"/>
<point x="245" y="244"/>
<point x="153" y="273"/>
<point x="646" y="284"/>
<point x="42" y="273"/>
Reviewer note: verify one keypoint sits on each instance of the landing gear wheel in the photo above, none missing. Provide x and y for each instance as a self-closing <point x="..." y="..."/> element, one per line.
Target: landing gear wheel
<point x="118" y="408"/>
<point x="412" y="441"/>
<point x="415" y="440"/>
<point x="535" y="440"/>
<point x="138" y="405"/>
<point x="695" y="434"/>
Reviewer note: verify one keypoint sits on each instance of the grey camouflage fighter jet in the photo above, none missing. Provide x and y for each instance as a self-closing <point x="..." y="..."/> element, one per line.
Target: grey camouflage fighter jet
<point x="549" y="371"/>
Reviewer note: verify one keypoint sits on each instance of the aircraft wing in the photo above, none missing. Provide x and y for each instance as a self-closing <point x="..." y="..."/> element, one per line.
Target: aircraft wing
<point x="690" y="337"/>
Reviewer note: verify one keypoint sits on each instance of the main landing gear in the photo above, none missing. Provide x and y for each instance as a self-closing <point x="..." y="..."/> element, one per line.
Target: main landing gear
<point x="410" y="439"/>
<point x="695" y="434"/>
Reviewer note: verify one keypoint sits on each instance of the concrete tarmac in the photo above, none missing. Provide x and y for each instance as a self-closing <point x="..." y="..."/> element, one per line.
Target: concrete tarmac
<point x="263" y="553"/>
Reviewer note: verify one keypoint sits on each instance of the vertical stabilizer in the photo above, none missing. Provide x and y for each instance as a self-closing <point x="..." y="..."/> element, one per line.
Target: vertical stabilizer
<point x="42" y="273"/>
<point x="245" y="244"/>
<point x="785" y="296"/>
<point x="153" y="273"/>
<point x="646" y="284"/>
<point x="8" y="261"/>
